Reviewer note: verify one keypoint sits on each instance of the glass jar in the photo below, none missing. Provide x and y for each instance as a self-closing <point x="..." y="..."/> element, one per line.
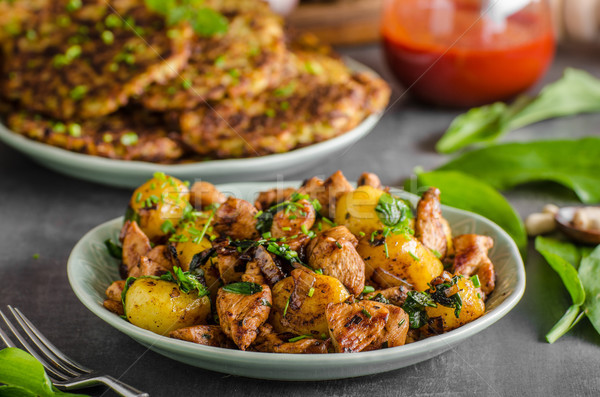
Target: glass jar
<point x="464" y="53"/>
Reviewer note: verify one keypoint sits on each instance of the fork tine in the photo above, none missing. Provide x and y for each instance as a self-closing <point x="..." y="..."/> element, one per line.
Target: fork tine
<point x="54" y="351"/>
<point x="30" y="349"/>
<point x="50" y="355"/>
<point x="6" y="339"/>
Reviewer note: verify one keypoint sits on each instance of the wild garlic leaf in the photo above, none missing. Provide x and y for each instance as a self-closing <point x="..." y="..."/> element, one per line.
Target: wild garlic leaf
<point x="575" y="93"/>
<point x="571" y="163"/>
<point x="571" y="317"/>
<point x="589" y="273"/>
<point x="566" y="271"/>
<point x="20" y="370"/>
<point x="565" y="250"/>
<point x="243" y="288"/>
<point x="467" y="193"/>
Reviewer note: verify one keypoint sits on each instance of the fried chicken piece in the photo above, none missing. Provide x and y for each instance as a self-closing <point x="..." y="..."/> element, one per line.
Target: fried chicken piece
<point x="327" y="192"/>
<point x="203" y="194"/>
<point x="431" y="228"/>
<point x="369" y="179"/>
<point x="161" y="256"/>
<point x="114" y="307"/>
<point x="148" y="267"/>
<point x="394" y="332"/>
<point x="279" y="343"/>
<point x="333" y="251"/>
<point x="114" y="291"/>
<point x="291" y="221"/>
<point x="269" y="198"/>
<point x="235" y="218"/>
<point x="253" y="273"/>
<point x="472" y="258"/>
<point x="208" y="335"/>
<point x="229" y="264"/>
<point x="354" y="326"/>
<point x="240" y="315"/>
<point x="135" y="245"/>
<point x="395" y="295"/>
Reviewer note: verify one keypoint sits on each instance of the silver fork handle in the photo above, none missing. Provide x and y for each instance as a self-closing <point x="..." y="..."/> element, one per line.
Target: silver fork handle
<point x="119" y="387"/>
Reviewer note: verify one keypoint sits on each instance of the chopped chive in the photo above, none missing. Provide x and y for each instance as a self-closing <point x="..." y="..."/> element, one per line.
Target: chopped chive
<point x="319" y="271"/>
<point x="373" y="234"/>
<point x="108" y="37"/>
<point x="75" y="130"/>
<point x="361" y="234"/>
<point x="319" y="226"/>
<point x="78" y="92"/>
<point x="304" y="229"/>
<point x="329" y="222"/>
<point x="415" y="257"/>
<point x="366" y="313"/>
<point x="338" y="244"/>
<point x="297" y="338"/>
<point x="368" y="289"/>
<point x="266" y="235"/>
<point x="478" y="295"/>
<point x="36" y="256"/>
<point x="436" y="253"/>
<point x="401" y="322"/>
<point x="129" y="139"/>
<point x="138" y="197"/>
<point x="287" y="304"/>
<point x="259" y="213"/>
<point x="475" y="281"/>
<point x="286" y="228"/>
<point x="311" y="291"/>
<point x="167" y="227"/>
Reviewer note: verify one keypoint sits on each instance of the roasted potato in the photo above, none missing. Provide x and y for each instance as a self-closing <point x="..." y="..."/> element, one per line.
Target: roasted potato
<point x="186" y="242"/>
<point x="299" y="302"/>
<point x="406" y="258"/>
<point x="163" y="198"/>
<point x="473" y="305"/>
<point x="161" y="307"/>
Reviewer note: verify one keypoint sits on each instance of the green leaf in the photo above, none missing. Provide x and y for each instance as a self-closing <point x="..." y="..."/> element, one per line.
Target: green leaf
<point x="24" y="376"/>
<point x="576" y="92"/>
<point x="568" y="251"/>
<point x="15" y="391"/>
<point x="481" y="124"/>
<point x="467" y="193"/>
<point x="572" y="163"/>
<point x="208" y="22"/>
<point x="565" y="270"/>
<point x="116" y="251"/>
<point x="392" y="211"/>
<point x="589" y="273"/>
<point x="243" y="288"/>
<point x="571" y="317"/>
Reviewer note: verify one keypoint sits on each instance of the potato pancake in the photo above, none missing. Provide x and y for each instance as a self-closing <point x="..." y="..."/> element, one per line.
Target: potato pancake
<point x="84" y="59"/>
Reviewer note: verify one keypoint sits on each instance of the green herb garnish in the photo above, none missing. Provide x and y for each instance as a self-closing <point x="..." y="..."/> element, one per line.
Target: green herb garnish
<point x="204" y="20"/>
<point x="116" y="251"/>
<point x="243" y="288"/>
<point x="415" y="305"/>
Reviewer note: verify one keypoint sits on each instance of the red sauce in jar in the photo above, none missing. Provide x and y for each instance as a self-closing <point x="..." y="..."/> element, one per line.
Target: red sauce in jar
<point x="452" y="57"/>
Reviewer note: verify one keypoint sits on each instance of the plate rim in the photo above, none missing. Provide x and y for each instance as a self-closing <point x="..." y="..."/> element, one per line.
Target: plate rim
<point x="434" y="343"/>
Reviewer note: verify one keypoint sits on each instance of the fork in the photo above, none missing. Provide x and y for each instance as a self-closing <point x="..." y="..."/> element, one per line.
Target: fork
<point x="65" y="373"/>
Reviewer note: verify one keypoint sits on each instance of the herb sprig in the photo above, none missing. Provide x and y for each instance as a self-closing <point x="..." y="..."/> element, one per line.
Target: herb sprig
<point x="204" y="20"/>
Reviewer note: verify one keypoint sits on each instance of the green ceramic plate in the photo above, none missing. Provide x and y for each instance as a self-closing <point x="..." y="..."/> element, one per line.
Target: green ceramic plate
<point x="91" y="269"/>
<point x="133" y="173"/>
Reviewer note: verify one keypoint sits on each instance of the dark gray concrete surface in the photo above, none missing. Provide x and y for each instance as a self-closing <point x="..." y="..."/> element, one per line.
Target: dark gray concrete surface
<point x="45" y="213"/>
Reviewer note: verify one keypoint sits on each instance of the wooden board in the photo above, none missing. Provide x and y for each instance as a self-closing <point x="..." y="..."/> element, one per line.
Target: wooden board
<point x="341" y="22"/>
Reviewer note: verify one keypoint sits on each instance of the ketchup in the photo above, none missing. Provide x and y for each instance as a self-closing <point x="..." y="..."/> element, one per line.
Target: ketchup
<point x="452" y="57"/>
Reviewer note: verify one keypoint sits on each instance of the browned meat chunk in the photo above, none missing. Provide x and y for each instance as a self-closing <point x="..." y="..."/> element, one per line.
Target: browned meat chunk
<point x="253" y="273"/>
<point x="161" y="256"/>
<point x="266" y="200"/>
<point x="150" y="268"/>
<point x="235" y="218"/>
<point x="114" y="306"/>
<point x="327" y="192"/>
<point x="114" y="291"/>
<point x="395" y="295"/>
<point x="240" y="315"/>
<point x="431" y="228"/>
<point x="369" y="179"/>
<point x="279" y="343"/>
<point x="354" y="326"/>
<point x="333" y="251"/>
<point x="135" y="245"/>
<point x="472" y="258"/>
<point x="394" y="332"/>
<point x="203" y="194"/>
<point x="208" y="335"/>
<point x="229" y="264"/>
<point x="292" y="220"/>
